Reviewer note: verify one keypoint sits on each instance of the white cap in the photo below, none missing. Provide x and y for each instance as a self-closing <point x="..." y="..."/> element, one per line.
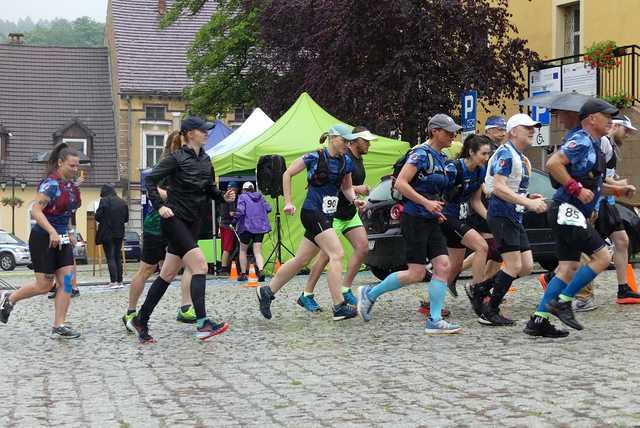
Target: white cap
<point x="247" y="185"/>
<point x="624" y="121"/>
<point x="521" y="119"/>
<point x="365" y="135"/>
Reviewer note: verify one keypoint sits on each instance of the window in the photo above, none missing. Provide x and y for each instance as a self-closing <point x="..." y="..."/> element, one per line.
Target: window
<point x="155" y="112"/>
<point x="571" y="29"/>
<point x="153" y="147"/>
<point x="4" y="141"/>
<point x="79" y="144"/>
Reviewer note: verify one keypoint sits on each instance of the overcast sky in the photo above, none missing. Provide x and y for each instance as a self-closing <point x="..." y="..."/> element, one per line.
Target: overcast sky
<point x="12" y="10"/>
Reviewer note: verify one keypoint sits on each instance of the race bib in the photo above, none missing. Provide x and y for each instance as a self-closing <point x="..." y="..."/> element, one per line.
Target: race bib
<point x="464" y="211"/>
<point x="329" y="204"/>
<point x="64" y="239"/>
<point x="519" y="208"/>
<point x="569" y="215"/>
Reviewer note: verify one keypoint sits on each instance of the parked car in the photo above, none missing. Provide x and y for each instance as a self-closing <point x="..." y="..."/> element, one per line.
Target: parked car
<point x="80" y="250"/>
<point x="381" y="218"/>
<point x="132" y="249"/>
<point x="13" y="251"/>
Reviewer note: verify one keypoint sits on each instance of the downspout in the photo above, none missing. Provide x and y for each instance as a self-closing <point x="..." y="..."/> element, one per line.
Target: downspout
<point x="129" y="148"/>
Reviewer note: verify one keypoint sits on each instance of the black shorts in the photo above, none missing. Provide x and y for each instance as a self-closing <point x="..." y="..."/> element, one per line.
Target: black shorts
<point x="154" y="248"/>
<point x="454" y="230"/>
<point x="423" y="239"/>
<point x="48" y="260"/>
<point x="182" y="236"/>
<point x="571" y="241"/>
<point x="509" y="234"/>
<point x="314" y="223"/>
<point x="609" y="220"/>
<point x="247" y="238"/>
<point x="478" y="223"/>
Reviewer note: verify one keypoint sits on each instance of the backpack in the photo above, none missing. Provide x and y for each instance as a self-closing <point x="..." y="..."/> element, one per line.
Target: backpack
<point x="322" y="172"/>
<point x="399" y="164"/>
<point x="459" y="185"/>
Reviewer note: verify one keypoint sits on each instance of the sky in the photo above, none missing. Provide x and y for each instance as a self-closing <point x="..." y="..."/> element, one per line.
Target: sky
<point x="48" y="9"/>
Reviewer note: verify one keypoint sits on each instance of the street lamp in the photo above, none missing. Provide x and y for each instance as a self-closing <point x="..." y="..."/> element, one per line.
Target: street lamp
<point x="3" y="186"/>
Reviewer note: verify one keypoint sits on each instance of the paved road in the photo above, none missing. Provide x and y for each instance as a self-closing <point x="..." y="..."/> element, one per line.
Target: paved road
<point x="305" y="370"/>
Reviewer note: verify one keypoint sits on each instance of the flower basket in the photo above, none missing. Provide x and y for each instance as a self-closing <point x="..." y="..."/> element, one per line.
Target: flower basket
<point x="603" y="55"/>
<point x="620" y="100"/>
<point x="11" y="202"/>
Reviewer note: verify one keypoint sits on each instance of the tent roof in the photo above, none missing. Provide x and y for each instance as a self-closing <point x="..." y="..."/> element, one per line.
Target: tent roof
<point x="217" y="134"/>
<point x="256" y="124"/>
<point x="297" y="132"/>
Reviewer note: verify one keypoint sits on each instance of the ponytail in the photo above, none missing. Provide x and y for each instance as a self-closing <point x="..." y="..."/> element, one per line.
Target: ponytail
<point x="324" y="137"/>
<point x="60" y="152"/>
<point x="173" y="143"/>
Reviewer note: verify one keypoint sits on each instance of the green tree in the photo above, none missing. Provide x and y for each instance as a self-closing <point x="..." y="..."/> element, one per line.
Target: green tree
<point x="82" y="32"/>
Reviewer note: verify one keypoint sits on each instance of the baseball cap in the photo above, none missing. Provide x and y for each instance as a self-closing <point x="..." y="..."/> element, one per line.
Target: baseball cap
<point x="193" y="122"/>
<point x="443" y="121"/>
<point x="495" y="122"/>
<point x="624" y="121"/>
<point x="521" y="119"/>
<point x="233" y="185"/>
<point x="340" y="130"/>
<point x="247" y="185"/>
<point x="597" y="105"/>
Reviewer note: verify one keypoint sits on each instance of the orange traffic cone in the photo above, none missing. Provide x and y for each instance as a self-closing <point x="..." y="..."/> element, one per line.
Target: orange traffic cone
<point x="631" y="278"/>
<point x="276" y="267"/>
<point x="234" y="272"/>
<point x="253" y="278"/>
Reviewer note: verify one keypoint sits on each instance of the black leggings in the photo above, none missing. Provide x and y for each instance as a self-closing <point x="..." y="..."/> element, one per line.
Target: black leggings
<point x="112" y="251"/>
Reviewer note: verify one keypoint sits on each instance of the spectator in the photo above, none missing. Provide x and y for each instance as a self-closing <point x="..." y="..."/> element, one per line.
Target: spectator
<point x="252" y="223"/>
<point x="112" y="214"/>
<point x="227" y="235"/>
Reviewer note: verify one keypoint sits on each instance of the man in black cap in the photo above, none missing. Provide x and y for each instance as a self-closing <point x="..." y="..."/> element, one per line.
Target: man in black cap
<point x="577" y="171"/>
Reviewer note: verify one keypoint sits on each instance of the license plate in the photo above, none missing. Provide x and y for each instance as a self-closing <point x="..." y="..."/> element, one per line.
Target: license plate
<point x="127" y="248"/>
<point x="372" y="244"/>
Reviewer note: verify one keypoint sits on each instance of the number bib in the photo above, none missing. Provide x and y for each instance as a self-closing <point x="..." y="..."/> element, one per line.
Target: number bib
<point x="464" y="211"/>
<point x="329" y="204"/>
<point x="569" y="215"/>
<point x="64" y="239"/>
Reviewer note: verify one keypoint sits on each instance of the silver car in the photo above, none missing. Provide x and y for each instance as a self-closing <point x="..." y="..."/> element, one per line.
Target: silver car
<point x="13" y="251"/>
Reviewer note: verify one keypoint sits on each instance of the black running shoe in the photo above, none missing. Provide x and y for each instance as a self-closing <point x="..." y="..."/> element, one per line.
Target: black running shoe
<point x="344" y="311"/>
<point x="5" y="307"/>
<point x="52" y="293"/>
<point x="75" y="293"/>
<point x="492" y="317"/>
<point x="541" y="327"/>
<point x="476" y="297"/>
<point x="265" y="297"/>
<point x="135" y="325"/>
<point x="564" y="312"/>
<point x="64" y="332"/>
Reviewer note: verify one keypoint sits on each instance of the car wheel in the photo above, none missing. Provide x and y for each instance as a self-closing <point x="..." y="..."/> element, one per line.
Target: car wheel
<point x="548" y="264"/>
<point x="7" y="262"/>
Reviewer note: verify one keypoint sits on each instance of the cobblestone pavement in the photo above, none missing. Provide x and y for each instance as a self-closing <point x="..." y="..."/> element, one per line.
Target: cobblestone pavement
<point x="300" y="369"/>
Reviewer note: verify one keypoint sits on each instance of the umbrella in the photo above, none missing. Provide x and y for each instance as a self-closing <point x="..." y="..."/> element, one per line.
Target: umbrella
<point x="557" y="100"/>
<point x="43" y="157"/>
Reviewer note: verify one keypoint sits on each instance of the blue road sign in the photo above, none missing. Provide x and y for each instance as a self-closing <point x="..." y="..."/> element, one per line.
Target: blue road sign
<point x="468" y="110"/>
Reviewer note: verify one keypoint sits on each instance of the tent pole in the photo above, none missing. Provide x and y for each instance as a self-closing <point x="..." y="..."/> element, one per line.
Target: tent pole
<point x="214" y="234"/>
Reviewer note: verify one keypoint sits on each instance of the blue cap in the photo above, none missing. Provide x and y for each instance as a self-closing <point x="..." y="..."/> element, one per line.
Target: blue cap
<point x="495" y="122"/>
<point x="340" y="130"/>
<point x="193" y="122"/>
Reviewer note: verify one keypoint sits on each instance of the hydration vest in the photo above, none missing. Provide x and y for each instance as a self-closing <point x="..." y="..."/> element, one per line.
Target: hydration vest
<point x="322" y="173"/>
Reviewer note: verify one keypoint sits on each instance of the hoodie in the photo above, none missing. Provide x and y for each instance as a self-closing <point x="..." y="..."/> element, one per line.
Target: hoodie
<point x="251" y="213"/>
<point x="112" y="214"/>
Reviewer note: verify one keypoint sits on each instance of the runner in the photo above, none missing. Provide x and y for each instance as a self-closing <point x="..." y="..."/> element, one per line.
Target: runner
<point x="52" y="239"/>
<point x="422" y="181"/>
<point x="507" y="182"/>
<point x="347" y="222"/>
<point x="577" y="170"/>
<point x="328" y="172"/>
<point x="466" y="176"/>
<point x="154" y="248"/>
<point x="190" y="178"/>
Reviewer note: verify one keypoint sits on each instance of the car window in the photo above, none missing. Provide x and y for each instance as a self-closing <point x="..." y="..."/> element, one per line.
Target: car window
<point x="382" y="192"/>
<point x="7" y="238"/>
<point x="540" y="183"/>
<point x="132" y="236"/>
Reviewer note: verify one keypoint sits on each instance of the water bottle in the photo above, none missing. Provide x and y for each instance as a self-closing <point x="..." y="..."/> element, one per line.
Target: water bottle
<point x="68" y="283"/>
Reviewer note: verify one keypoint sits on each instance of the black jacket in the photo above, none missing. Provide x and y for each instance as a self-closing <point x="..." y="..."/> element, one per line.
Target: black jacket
<point x="190" y="180"/>
<point x="112" y="214"/>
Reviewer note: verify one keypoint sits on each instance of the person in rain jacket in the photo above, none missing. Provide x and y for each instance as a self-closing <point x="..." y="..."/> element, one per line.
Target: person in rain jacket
<point x="252" y="222"/>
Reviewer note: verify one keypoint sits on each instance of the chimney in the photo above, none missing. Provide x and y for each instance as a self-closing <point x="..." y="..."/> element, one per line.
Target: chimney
<point x="16" y="38"/>
<point x="162" y="7"/>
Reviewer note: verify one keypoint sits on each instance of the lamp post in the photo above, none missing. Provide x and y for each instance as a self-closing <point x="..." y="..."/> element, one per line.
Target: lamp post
<point x="3" y="186"/>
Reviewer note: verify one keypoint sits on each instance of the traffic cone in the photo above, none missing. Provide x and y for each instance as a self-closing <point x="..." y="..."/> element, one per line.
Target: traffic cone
<point x="253" y="278"/>
<point x="234" y="272"/>
<point x="276" y="267"/>
<point x="631" y="278"/>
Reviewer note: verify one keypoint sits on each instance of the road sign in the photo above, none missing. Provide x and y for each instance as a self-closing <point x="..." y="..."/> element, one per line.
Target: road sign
<point x="468" y="111"/>
<point x="542" y="115"/>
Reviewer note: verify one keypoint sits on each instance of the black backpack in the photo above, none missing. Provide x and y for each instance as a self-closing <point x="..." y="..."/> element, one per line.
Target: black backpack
<point x="322" y="173"/>
<point x="459" y="186"/>
<point x="399" y="164"/>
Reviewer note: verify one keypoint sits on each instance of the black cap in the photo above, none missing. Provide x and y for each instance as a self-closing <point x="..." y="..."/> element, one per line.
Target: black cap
<point x="193" y="122"/>
<point x="597" y="105"/>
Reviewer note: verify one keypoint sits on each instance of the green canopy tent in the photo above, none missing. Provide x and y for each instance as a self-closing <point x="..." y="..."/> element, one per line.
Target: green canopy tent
<point x="297" y="132"/>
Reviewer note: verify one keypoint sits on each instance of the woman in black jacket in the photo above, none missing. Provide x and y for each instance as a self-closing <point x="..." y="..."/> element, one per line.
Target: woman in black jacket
<point x="190" y="178"/>
<point x="112" y="214"/>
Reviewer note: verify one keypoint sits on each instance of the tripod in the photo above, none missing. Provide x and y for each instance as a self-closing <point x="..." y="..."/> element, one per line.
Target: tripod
<point x="277" y="249"/>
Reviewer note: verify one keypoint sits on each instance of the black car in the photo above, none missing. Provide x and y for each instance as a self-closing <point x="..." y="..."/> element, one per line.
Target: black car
<point x="131" y="243"/>
<point x="381" y="218"/>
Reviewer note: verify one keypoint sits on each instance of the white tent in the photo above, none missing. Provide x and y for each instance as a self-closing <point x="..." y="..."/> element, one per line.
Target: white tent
<point x="256" y="124"/>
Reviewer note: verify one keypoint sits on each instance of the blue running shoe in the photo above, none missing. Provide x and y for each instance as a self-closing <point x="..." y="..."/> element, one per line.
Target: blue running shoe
<point x="350" y="298"/>
<point x="309" y="303"/>
<point x="364" y="303"/>
<point x="441" y="327"/>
